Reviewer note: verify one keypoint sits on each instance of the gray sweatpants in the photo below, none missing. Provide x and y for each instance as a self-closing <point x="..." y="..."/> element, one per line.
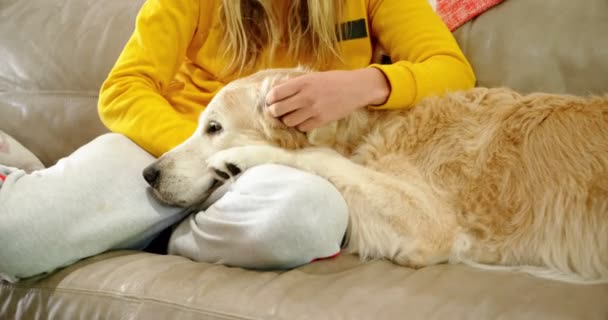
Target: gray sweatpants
<point x="96" y="200"/>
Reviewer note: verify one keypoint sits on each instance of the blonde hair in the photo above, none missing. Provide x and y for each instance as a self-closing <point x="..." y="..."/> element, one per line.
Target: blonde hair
<point x="310" y="31"/>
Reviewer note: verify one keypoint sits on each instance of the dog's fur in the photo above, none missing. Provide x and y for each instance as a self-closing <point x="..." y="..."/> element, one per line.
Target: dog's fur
<point x="487" y="177"/>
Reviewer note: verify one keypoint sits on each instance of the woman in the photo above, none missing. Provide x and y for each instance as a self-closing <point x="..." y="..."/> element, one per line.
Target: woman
<point x="180" y="54"/>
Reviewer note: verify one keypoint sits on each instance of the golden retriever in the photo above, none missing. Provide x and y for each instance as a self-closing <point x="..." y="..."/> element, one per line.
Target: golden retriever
<point x="486" y="177"/>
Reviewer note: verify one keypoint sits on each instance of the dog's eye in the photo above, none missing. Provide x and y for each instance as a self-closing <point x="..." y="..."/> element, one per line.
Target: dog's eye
<point x="213" y="127"/>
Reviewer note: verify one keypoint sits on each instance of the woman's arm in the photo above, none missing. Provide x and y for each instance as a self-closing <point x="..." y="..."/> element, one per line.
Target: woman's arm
<point x="313" y="100"/>
<point x="130" y="99"/>
<point x="427" y="58"/>
<point x="427" y="61"/>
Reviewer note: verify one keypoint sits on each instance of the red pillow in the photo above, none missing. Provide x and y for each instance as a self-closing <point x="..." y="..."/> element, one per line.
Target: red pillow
<point x="457" y="12"/>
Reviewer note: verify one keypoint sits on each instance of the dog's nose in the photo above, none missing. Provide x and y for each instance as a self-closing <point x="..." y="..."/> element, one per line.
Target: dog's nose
<point x="151" y="174"/>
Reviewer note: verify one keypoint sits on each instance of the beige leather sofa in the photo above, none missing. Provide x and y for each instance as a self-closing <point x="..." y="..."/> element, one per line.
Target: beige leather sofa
<point x="54" y="54"/>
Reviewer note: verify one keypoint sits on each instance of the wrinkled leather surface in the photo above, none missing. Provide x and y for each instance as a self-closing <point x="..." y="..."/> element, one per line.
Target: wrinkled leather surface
<point x="556" y="46"/>
<point x="146" y="286"/>
<point x="62" y="45"/>
<point x="54" y="54"/>
<point x="50" y="124"/>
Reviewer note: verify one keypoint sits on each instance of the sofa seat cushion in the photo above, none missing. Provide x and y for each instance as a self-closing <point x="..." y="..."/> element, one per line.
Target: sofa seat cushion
<point x="136" y="285"/>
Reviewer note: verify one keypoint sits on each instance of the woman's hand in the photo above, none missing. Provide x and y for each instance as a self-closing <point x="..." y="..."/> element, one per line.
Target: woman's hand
<point x="313" y="100"/>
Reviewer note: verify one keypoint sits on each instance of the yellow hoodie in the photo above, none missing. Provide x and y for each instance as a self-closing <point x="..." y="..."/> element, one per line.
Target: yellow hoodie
<point x="170" y="68"/>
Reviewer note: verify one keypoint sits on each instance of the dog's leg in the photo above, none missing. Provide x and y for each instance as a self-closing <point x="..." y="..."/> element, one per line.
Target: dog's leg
<point x="399" y="219"/>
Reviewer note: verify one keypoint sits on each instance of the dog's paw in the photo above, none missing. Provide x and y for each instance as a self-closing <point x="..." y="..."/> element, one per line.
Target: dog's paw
<point x="229" y="163"/>
<point x="225" y="165"/>
<point x="225" y="171"/>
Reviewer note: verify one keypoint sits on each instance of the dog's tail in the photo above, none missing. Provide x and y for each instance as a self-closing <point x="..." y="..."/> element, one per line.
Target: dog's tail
<point x="462" y="244"/>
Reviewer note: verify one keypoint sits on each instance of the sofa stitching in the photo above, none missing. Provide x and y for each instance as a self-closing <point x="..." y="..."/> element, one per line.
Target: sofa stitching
<point x="127" y="298"/>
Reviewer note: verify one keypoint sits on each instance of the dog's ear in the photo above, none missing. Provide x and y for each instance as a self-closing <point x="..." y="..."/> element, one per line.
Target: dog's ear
<point x="274" y="130"/>
<point x="262" y="106"/>
<point x="324" y="136"/>
<point x="264" y="88"/>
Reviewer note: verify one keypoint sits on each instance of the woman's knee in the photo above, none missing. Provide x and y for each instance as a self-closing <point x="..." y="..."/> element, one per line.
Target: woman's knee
<point x="115" y="143"/>
<point x="308" y="221"/>
<point x="273" y="217"/>
<point x="294" y="190"/>
<point x="112" y="153"/>
<point x="266" y="179"/>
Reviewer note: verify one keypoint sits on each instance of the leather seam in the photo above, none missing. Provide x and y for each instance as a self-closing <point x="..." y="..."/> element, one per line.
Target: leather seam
<point x="127" y="298"/>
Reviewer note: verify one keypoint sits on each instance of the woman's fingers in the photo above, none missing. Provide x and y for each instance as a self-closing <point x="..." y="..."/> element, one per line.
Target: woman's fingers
<point x="283" y="91"/>
<point x="283" y="107"/>
<point x="297" y="117"/>
<point x="286" y="97"/>
<point x="311" y="123"/>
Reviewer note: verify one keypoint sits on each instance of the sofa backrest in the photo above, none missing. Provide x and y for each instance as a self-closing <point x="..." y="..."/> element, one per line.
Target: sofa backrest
<point x="54" y="55"/>
<point x="558" y="46"/>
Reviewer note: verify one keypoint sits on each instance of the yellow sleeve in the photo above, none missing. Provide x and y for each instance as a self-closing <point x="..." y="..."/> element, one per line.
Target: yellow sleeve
<point x="130" y="100"/>
<point x="426" y="58"/>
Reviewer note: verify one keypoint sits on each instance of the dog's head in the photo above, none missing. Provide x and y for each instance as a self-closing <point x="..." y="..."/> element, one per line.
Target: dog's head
<point x="236" y="116"/>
